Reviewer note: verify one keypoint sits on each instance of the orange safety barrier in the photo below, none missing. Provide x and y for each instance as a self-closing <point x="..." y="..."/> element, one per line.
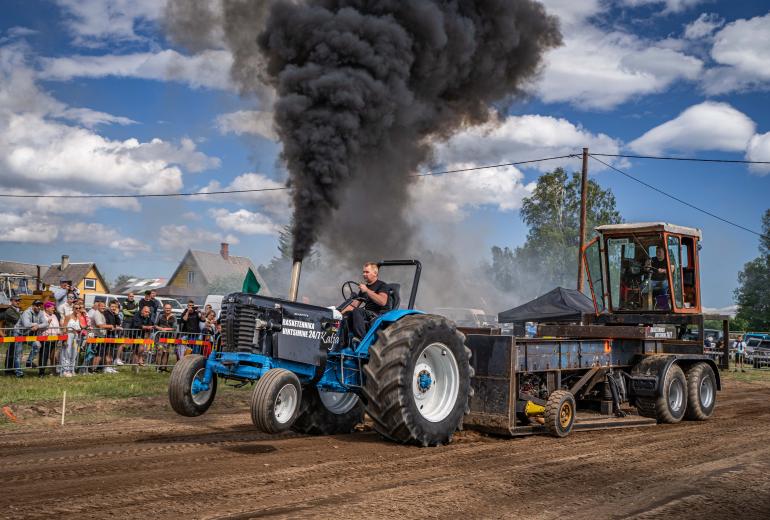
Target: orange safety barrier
<point x="179" y="341"/>
<point x="25" y="339"/>
<point x="128" y="341"/>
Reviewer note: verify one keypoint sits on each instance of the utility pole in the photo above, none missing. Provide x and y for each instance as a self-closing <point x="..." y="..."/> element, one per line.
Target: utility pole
<point x="583" y="197"/>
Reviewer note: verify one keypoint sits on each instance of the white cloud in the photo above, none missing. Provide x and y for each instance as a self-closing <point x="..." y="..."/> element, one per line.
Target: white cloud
<point x="571" y="12"/>
<point x="130" y="246"/>
<point x="759" y="150"/>
<point x="703" y="27"/>
<point x="450" y="197"/>
<point x="93" y="22"/>
<point x="209" y="69"/>
<point x="742" y="50"/>
<point x="275" y="202"/>
<point x="181" y="237"/>
<point x="525" y="137"/>
<point x="671" y="6"/>
<point x="245" y="221"/>
<point x="254" y="122"/>
<point x="706" y="126"/>
<point x="27" y="228"/>
<point x="600" y="70"/>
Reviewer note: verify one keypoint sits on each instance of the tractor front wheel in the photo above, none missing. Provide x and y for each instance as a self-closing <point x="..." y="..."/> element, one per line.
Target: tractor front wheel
<point x="185" y="394"/>
<point x="417" y="380"/>
<point x="275" y="401"/>
<point x="328" y="413"/>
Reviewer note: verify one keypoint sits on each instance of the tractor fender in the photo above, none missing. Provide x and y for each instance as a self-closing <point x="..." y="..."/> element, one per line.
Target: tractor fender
<point x="383" y="321"/>
<point x="650" y="370"/>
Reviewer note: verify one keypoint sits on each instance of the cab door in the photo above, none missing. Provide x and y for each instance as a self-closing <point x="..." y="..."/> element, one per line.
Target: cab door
<point x="592" y="260"/>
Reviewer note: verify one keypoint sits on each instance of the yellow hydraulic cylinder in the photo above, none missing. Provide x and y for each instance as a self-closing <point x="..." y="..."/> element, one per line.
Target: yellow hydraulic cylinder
<point x="533" y="409"/>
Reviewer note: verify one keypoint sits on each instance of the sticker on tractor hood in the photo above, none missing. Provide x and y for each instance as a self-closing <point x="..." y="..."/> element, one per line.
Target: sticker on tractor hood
<point x="305" y="329"/>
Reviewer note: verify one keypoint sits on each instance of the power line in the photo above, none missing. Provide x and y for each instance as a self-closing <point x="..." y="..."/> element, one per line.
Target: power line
<point x="691" y="159"/>
<point x="678" y="199"/>
<point x="256" y="190"/>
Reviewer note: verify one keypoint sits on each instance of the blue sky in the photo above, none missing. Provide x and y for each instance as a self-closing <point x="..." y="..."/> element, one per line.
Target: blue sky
<point x="95" y="99"/>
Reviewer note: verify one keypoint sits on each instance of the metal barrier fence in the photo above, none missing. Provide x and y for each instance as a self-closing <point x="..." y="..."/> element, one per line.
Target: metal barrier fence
<point x="67" y="352"/>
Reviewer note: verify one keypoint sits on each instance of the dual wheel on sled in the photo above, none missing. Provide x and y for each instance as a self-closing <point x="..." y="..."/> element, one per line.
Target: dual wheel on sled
<point x="416" y="388"/>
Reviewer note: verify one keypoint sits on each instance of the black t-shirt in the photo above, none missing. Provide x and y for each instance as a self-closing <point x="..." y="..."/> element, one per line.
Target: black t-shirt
<point x="152" y="304"/>
<point x="164" y="321"/>
<point x="658" y="264"/>
<point x="377" y="286"/>
<point x="111" y="319"/>
<point x="192" y="323"/>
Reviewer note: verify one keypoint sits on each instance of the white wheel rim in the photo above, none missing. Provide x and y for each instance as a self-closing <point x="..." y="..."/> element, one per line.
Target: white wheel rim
<point x="201" y="397"/>
<point x="435" y="382"/>
<point x="675" y="395"/>
<point x="706" y="392"/>
<point x="338" y="402"/>
<point x="285" y="403"/>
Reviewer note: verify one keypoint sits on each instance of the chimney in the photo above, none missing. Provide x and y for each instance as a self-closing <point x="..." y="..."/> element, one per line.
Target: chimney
<point x="65" y="262"/>
<point x="225" y="250"/>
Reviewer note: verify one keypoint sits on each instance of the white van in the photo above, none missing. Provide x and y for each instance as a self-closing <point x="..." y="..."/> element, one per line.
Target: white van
<point x="89" y="299"/>
<point x="215" y="300"/>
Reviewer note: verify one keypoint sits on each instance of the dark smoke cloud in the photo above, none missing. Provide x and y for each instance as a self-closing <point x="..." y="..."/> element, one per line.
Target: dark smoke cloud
<point x="364" y="87"/>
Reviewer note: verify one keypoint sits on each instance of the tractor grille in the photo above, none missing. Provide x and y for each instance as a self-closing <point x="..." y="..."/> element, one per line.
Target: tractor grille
<point x="238" y="325"/>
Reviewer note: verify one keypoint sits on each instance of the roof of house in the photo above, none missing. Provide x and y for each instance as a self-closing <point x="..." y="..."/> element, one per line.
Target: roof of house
<point x="139" y="284"/>
<point x="214" y="266"/>
<point x="21" y="268"/>
<point x="75" y="272"/>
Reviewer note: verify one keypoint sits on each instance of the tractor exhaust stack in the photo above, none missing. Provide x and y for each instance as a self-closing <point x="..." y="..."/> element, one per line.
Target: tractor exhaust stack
<point x="296" y="268"/>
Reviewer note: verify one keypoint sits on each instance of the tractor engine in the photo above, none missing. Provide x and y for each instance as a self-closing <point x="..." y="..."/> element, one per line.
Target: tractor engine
<point x="278" y="328"/>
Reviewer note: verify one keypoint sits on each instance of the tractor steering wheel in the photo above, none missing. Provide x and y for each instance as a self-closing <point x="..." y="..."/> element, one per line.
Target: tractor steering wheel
<point x="349" y="290"/>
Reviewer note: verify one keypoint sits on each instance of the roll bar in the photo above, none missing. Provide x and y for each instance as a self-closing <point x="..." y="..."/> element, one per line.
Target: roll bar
<point x="406" y="263"/>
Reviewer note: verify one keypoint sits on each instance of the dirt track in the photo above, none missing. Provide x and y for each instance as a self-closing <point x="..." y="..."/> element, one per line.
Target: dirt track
<point x="216" y="466"/>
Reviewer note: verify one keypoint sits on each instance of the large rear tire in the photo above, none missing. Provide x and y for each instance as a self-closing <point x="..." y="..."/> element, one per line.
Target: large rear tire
<point x="701" y="392"/>
<point x="180" y="387"/>
<point x="417" y="380"/>
<point x="328" y="413"/>
<point x="669" y="407"/>
<point x="275" y="401"/>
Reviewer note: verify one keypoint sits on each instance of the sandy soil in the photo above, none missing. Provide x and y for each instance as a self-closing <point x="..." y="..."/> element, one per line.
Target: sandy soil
<point x="154" y="464"/>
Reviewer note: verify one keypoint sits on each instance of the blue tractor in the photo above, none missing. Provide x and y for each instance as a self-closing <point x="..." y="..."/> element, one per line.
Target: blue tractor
<point x="410" y="373"/>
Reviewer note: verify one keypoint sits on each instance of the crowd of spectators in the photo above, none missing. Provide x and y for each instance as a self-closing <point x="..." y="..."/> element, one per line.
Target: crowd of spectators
<point x="67" y="316"/>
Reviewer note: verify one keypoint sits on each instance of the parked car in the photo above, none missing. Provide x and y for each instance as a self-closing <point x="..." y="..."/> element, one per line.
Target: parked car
<point x="89" y="299"/>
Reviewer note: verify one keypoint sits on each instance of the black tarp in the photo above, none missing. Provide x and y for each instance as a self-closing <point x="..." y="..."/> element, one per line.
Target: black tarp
<point x="559" y="304"/>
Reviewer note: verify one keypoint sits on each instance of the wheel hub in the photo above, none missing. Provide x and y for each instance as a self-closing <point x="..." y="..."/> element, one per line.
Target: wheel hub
<point x="424" y="381"/>
<point x="435" y="382"/>
<point x="285" y="403"/>
<point x="200" y="391"/>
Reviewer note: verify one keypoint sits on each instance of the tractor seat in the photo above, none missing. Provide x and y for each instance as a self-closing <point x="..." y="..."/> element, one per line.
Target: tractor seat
<point x="394" y="297"/>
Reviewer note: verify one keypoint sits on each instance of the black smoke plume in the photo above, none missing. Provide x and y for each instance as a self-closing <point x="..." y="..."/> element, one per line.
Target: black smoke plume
<point x="363" y="87"/>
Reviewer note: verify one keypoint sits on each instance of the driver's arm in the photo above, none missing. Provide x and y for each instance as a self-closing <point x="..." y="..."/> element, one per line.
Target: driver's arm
<point x="354" y="304"/>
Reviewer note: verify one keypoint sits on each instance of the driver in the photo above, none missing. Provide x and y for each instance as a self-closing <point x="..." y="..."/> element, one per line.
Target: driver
<point x="659" y="272"/>
<point x="372" y="301"/>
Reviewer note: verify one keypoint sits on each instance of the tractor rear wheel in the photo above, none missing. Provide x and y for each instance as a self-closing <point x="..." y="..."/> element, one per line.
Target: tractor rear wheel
<point x="559" y="413"/>
<point x="701" y="392"/>
<point x="328" y="413"/>
<point x="417" y="380"/>
<point x="670" y="405"/>
<point x="183" y="393"/>
<point x="275" y="401"/>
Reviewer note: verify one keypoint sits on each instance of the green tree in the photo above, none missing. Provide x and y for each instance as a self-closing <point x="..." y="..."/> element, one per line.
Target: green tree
<point x="122" y="279"/>
<point x="752" y="295"/>
<point x="548" y="258"/>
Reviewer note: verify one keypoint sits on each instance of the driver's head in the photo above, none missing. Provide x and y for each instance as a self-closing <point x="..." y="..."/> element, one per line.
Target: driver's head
<point x="370" y="272"/>
<point x="659" y="253"/>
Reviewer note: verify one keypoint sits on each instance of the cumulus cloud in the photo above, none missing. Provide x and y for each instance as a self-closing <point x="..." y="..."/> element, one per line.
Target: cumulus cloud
<point x="759" y="150"/>
<point x="706" y="126"/>
<point x="26" y="228"/>
<point x="525" y="137"/>
<point x="275" y="202"/>
<point x="742" y="51"/>
<point x="181" y="237"/>
<point x="703" y="27"/>
<point x="209" y="69"/>
<point x="95" y="22"/>
<point x="600" y="70"/>
<point x="254" y="122"/>
<point x="450" y="197"/>
<point x="244" y="221"/>
<point x="670" y="6"/>
<point x="41" y="153"/>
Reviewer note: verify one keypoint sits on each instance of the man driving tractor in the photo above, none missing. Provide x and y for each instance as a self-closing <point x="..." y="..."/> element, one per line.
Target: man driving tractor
<point x="371" y="301"/>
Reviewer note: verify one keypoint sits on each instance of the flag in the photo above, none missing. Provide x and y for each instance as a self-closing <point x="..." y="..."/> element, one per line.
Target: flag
<point x="250" y="283"/>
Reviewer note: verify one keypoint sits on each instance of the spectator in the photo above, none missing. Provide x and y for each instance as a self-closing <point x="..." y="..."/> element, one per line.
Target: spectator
<point x="99" y="328"/>
<point x="130" y="307"/>
<point x="77" y="327"/>
<point x="149" y="301"/>
<point x="740" y="353"/>
<point x="114" y="325"/>
<point x="48" y="347"/>
<point x="67" y="308"/>
<point x="166" y="323"/>
<point x="32" y="322"/>
<point x="10" y="318"/>
<point x="191" y="324"/>
<point x="209" y="325"/>
<point x="142" y="321"/>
